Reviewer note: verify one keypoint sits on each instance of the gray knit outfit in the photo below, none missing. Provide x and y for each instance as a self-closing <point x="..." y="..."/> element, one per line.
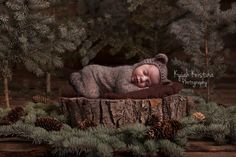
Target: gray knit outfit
<point x="94" y="80"/>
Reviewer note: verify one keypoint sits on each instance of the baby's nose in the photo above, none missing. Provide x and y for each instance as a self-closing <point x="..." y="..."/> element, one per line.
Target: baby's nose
<point x="143" y="79"/>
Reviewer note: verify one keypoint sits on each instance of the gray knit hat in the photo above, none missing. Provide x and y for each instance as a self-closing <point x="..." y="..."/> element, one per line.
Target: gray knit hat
<point x="160" y="60"/>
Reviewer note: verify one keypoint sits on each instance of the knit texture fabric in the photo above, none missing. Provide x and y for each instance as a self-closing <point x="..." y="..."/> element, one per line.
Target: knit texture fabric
<point x="95" y="80"/>
<point x="160" y="61"/>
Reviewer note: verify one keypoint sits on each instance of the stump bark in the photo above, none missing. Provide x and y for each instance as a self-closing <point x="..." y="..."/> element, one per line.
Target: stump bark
<point x="118" y="112"/>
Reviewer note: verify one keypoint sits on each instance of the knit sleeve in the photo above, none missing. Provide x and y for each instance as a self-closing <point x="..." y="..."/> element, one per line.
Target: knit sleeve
<point x="123" y="83"/>
<point x="84" y="82"/>
<point x="124" y="86"/>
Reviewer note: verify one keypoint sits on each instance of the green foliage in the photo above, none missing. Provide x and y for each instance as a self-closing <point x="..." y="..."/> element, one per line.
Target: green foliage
<point x="154" y="19"/>
<point x="32" y="36"/>
<point x="132" y="28"/>
<point x="201" y="32"/>
<point x="96" y="141"/>
<point x="35" y="110"/>
<point x="233" y="129"/>
<point x="62" y="38"/>
<point x="3" y="112"/>
<point x="133" y="4"/>
<point x="219" y="125"/>
<point x="175" y="150"/>
<point x="22" y="26"/>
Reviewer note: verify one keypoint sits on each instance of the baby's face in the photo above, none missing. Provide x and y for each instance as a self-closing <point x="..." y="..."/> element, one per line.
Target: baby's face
<point x="145" y="75"/>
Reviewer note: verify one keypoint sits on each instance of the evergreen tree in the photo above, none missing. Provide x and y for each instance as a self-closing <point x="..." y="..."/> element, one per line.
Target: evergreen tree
<point x="140" y="28"/>
<point x="31" y="36"/>
<point x="19" y="29"/>
<point x="154" y="19"/>
<point x="201" y="33"/>
<point x="63" y="36"/>
<point x="7" y="58"/>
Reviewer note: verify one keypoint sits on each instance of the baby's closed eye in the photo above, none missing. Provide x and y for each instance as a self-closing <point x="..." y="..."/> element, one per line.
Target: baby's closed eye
<point x="145" y="72"/>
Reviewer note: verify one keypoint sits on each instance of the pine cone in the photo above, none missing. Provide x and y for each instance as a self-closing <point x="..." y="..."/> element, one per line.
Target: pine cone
<point x="152" y="120"/>
<point x="169" y="128"/>
<point x="164" y="130"/>
<point x="86" y="124"/>
<point x="41" y="99"/>
<point x="49" y="123"/>
<point x="13" y="116"/>
<point x="154" y="132"/>
<point x="198" y="116"/>
<point x="175" y="124"/>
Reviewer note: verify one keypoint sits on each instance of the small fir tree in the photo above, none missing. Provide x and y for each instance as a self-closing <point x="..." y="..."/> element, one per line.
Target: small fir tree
<point x="201" y="33"/>
<point x="155" y="18"/>
<point x="37" y="39"/>
<point x="62" y="38"/>
<point x="21" y="26"/>
<point x="64" y="35"/>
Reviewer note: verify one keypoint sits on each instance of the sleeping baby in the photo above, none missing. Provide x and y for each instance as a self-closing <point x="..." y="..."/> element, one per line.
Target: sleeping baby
<point x="93" y="81"/>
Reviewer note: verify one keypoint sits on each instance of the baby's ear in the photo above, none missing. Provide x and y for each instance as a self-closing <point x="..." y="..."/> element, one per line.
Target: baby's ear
<point x="161" y="57"/>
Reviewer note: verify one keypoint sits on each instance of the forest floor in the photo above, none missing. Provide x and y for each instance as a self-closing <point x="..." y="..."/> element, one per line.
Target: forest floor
<point x="24" y="85"/>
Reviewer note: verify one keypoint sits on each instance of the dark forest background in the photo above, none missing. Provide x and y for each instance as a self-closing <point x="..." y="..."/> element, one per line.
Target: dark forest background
<point x="107" y="43"/>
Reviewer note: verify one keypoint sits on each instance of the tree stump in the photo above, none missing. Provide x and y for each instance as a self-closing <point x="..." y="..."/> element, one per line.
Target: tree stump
<point x="118" y="112"/>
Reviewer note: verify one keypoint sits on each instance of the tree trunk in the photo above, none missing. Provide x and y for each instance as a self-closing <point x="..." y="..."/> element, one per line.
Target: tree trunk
<point x="6" y="92"/>
<point x="207" y="70"/>
<point x="118" y="112"/>
<point x="207" y="55"/>
<point x="48" y="82"/>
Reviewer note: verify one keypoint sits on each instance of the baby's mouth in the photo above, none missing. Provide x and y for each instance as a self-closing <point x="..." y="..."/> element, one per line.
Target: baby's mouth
<point x="135" y="79"/>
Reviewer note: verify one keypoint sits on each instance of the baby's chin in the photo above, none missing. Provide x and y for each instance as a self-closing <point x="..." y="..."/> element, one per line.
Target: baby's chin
<point x="140" y="86"/>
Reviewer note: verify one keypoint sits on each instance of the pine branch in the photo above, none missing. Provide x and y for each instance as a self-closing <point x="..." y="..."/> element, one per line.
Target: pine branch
<point x="170" y="149"/>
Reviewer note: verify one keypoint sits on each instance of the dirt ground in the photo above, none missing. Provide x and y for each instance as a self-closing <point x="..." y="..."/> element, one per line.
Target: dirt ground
<point x="24" y="85"/>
